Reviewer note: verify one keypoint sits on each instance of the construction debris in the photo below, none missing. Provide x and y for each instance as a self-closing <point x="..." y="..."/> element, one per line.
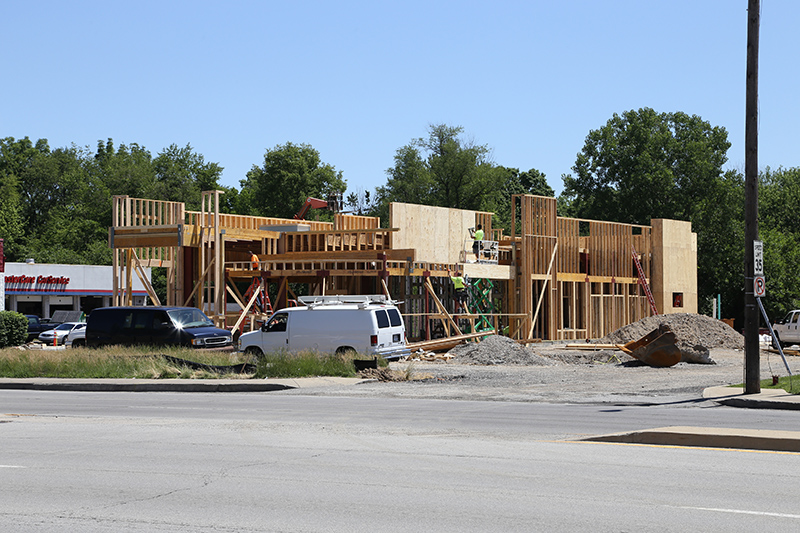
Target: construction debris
<point x="446" y="343"/>
<point x="657" y="348"/>
<point x="422" y="355"/>
<point x="695" y="335"/>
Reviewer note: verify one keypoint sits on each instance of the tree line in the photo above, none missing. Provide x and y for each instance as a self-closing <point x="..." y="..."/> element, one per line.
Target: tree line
<point x="55" y="204"/>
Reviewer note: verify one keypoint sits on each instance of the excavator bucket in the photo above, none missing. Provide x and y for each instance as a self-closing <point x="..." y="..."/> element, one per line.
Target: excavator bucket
<point x="657" y="348"/>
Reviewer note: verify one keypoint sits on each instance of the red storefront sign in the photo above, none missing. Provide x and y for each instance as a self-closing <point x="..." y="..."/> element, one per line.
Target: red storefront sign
<point x="38" y="283"/>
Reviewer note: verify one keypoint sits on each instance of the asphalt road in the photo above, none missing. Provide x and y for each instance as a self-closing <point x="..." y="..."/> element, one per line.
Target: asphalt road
<point x="278" y="462"/>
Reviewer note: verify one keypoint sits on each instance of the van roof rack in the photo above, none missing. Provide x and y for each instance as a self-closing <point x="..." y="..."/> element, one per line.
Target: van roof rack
<point x="344" y="299"/>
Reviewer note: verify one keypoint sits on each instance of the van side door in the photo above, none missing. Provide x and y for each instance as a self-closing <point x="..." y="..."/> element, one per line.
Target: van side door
<point x="275" y="333"/>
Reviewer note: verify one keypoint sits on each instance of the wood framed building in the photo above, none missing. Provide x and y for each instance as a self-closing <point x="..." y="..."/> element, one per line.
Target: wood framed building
<point x="556" y="278"/>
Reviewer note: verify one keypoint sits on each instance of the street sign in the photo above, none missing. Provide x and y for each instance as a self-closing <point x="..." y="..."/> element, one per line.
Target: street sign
<point x="759" y="286"/>
<point x="758" y="258"/>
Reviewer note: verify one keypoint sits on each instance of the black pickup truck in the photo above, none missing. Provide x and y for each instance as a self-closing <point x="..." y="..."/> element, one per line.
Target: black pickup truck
<point x="36" y="325"/>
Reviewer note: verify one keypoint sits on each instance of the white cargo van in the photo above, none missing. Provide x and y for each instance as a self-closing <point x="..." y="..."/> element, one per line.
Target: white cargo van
<point x="369" y="325"/>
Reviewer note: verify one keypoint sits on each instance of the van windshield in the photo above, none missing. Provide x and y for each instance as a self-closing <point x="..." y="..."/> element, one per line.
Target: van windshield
<point x="189" y="318"/>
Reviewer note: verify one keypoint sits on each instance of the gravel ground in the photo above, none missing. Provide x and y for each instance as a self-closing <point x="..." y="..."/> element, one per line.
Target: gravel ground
<point x="600" y="377"/>
<point x="500" y="369"/>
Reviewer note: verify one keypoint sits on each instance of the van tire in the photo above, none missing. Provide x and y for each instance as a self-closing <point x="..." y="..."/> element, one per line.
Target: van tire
<point x="254" y="351"/>
<point x="342" y="351"/>
<point x="78" y="342"/>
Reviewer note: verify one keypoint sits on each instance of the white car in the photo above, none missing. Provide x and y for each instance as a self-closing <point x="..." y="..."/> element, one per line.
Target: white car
<point x="76" y="337"/>
<point x="59" y="333"/>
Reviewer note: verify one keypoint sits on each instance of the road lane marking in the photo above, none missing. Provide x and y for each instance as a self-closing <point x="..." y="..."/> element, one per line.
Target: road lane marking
<point x="742" y="511"/>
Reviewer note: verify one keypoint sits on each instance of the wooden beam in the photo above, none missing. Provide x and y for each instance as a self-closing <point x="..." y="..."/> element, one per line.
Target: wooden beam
<point x="429" y="286"/>
<point x="146" y="282"/>
<point x="199" y="283"/>
<point x="357" y="255"/>
<point x="246" y="309"/>
<point x="544" y="291"/>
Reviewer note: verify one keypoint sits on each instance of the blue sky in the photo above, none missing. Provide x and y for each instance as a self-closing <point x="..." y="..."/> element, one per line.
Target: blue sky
<point x="358" y="80"/>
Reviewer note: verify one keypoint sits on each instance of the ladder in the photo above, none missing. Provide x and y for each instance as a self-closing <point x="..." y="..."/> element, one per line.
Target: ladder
<point x="263" y="298"/>
<point x="643" y="282"/>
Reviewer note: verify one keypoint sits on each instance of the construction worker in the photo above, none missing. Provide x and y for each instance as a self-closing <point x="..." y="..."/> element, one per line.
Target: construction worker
<point x="254" y="262"/>
<point x="476" y="246"/>
<point x="461" y="288"/>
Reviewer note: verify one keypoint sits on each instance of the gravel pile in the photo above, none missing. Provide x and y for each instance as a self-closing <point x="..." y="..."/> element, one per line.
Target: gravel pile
<point x="695" y="335"/>
<point x="497" y="350"/>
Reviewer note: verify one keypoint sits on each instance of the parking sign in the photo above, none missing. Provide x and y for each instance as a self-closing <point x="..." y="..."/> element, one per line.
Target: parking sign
<point x="759" y="286"/>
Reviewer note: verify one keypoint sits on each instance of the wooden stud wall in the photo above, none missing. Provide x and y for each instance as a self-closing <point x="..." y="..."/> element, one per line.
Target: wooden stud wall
<point x="347" y="222"/>
<point x="336" y="241"/>
<point x="196" y="218"/>
<point x="569" y="246"/>
<point x="130" y="212"/>
<point x="610" y="249"/>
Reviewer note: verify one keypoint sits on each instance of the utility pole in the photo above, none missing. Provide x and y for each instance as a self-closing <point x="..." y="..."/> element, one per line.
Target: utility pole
<point x="752" y="364"/>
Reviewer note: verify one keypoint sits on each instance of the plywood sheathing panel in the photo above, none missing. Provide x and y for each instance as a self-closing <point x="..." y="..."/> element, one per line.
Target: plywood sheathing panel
<point x="675" y="262"/>
<point x="437" y="233"/>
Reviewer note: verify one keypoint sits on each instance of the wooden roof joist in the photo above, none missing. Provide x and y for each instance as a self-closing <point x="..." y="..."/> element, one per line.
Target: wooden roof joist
<point x="145" y="236"/>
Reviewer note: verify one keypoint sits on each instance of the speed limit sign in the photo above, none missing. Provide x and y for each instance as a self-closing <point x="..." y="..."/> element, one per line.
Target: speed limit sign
<point x="758" y="258"/>
<point x="759" y="286"/>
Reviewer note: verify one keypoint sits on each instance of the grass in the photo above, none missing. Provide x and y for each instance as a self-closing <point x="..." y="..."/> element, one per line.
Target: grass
<point x="788" y="383"/>
<point x="147" y="363"/>
<point x="285" y="365"/>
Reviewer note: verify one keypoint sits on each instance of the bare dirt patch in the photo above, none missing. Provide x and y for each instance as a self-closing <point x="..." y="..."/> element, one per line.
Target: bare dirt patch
<point x="499" y="369"/>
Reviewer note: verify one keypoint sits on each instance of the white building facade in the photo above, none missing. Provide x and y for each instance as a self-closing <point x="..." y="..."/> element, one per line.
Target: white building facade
<point x="40" y="289"/>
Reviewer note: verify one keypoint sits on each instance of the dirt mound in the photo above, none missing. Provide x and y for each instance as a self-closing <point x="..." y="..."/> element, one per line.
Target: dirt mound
<point x="496" y="350"/>
<point x="695" y="335"/>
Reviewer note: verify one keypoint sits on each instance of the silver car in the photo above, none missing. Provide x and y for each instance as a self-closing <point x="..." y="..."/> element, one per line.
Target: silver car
<point x="76" y="337"/>
<point x="58" y="335"/>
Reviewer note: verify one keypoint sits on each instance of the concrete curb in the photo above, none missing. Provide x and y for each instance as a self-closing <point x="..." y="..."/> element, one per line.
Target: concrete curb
<point x="174" y="385"/>
<point x="742" y="439"/>
<point x="766" y="399"/>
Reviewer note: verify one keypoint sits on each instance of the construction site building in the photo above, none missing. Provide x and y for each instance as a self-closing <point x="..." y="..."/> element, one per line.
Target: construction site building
<point x="547" y="277"/>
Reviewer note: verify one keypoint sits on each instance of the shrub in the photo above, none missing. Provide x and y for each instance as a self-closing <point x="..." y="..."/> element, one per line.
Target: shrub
<point x="13" y="328"/>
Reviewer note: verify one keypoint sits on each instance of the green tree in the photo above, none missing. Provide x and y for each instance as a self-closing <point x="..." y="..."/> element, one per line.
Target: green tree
<point x="11" y="223"/>
<point x="361" y="202"/>
<point x="644" y="165"/>
<point x="181" y="175"/>
<point x="444" y="170"/>
<point x="290" y="174"/>
<point x="530" y="182"/>
<point x="126" y="170"/>
<point x="779" y="203"/>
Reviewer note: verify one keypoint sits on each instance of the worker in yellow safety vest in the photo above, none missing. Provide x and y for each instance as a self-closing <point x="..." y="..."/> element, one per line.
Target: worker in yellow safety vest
<point x="476" y="246"/>
<point x="460" y="286"/>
